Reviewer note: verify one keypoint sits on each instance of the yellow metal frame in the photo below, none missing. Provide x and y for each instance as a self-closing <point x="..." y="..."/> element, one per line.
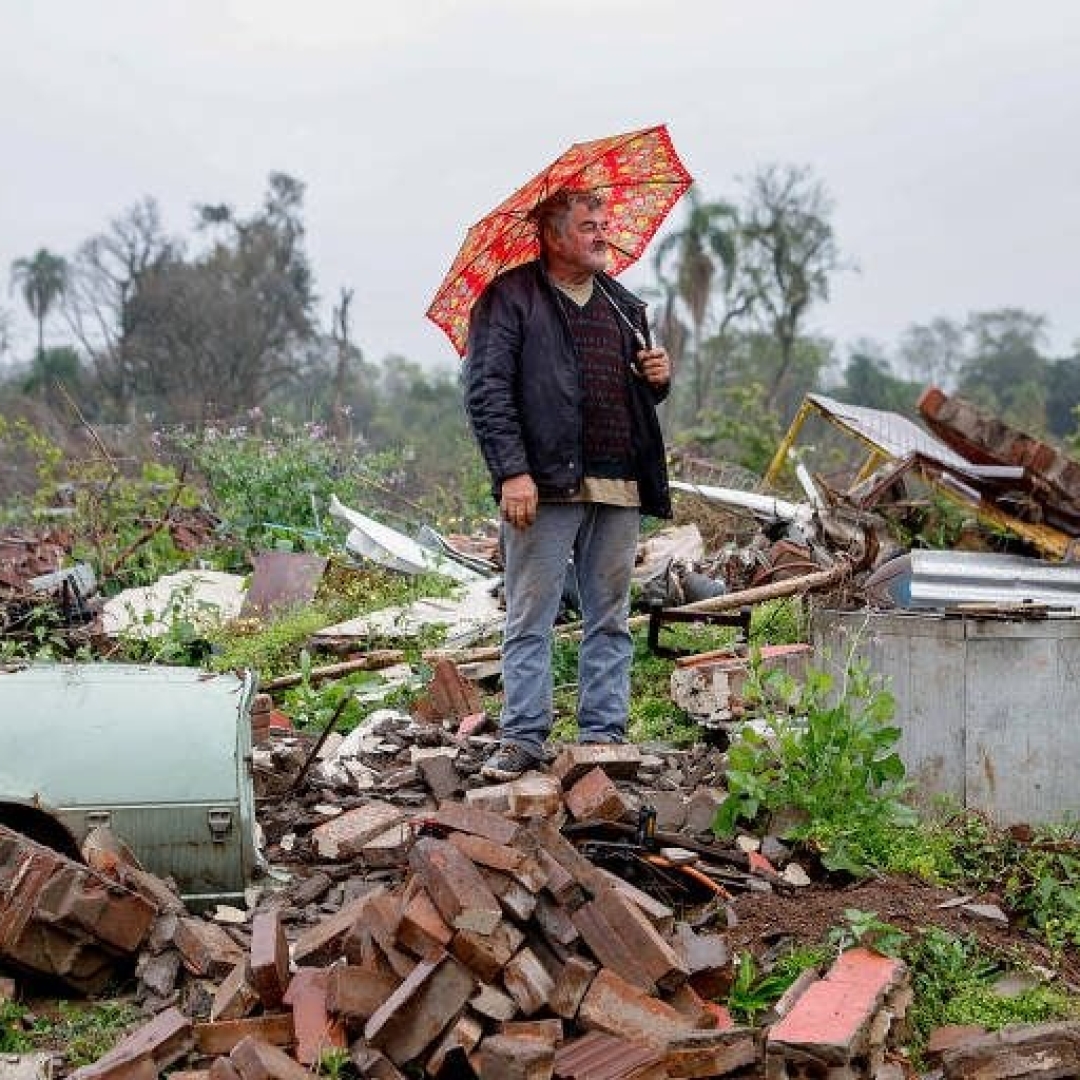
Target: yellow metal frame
<point x="1048" y="540"/>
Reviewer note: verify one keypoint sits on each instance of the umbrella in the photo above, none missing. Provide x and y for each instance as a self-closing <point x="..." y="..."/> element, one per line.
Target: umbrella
<point x="640" y="177"/>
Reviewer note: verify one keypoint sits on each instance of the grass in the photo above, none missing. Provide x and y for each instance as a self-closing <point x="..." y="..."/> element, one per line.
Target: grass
<point x="82" y="1031"/>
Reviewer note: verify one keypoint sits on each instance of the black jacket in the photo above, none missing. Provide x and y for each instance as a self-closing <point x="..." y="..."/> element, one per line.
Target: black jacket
<point x="523" y="390"/>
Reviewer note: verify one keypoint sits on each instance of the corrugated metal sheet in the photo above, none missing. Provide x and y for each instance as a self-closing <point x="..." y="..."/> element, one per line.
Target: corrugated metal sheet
<point x="895" y="435"/>
<point x="947" y="579"/>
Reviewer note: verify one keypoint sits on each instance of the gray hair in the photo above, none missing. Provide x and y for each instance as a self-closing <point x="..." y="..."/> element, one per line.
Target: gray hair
<point x="553" y="212"/>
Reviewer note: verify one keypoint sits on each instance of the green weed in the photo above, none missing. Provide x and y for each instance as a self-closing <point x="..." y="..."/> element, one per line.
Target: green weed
<point x="826" y="759"/>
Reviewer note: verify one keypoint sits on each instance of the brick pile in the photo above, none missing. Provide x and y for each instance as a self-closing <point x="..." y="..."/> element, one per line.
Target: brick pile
<point x="493" y="948"/>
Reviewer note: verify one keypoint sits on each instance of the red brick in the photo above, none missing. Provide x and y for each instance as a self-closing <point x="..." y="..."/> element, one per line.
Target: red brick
<point x="491" y="1002"/>
<point x="596" y="798"/>
<point x="620" y="761"/>
<point x="487" y="954"/>
<point x="534" y="796"/>
<point x="321" y="943"/>
<point x="269" y="958"/>
<point x="571" y="983"/>
<point x="258" y="1060"/>
<point x="315" y="1030"/>
<point x="461" y="1038"/>
<point x="449" y="696"/>
<point x="159" y="1043"/>
<point x="236" y="996"/>
<point x="220" y="1037"/>
<point x="475" y="821"/>
<point x="504" y="1057"/>
<point x="356" y="992"/>
<point x="221" y="1068"/>
<point x="455" y="886"/>
<point x="412" y="1017"/>
<point x="206" y="948"/>
<point x="598" y="1056"/>
<point x="344" y="837"/>
<point x="528" y="982"/>
<point x="699" y="1055"/>
<point x="613" y="1005"/>
<point x="422" y="929"/>
<point x="831" y="1019"/>
<point x="549" y="1031"/>
<point x="516" y="900"/>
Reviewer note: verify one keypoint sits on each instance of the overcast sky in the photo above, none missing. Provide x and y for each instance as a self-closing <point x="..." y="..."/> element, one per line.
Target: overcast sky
<point x="947" y="132"/>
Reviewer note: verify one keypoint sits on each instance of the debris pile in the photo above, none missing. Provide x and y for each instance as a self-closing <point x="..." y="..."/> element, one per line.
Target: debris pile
<point x="466" y="937"/>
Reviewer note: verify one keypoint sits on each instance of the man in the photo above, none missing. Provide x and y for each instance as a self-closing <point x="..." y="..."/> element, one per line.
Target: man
<point x="561" y="391"/>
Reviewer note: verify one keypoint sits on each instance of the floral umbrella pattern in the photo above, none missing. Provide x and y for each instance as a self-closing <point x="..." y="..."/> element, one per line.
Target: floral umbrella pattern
<point x="641" y="178"/>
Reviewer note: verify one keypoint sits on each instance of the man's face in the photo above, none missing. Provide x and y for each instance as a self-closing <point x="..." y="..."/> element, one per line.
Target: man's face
<point x="582" y="244"/>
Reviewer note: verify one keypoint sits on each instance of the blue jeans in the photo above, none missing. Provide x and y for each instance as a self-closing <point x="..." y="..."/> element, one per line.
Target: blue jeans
<point x="602" y="540"/>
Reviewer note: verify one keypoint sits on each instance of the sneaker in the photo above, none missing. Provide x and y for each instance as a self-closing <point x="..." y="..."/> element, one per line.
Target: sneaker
<point x="509" y="762"/>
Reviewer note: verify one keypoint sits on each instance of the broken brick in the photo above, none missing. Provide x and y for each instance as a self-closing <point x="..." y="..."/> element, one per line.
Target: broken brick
<point x="475" y="821"/>
<point x="830" y="1023"/>
<point x="357" y="992"/>
<point x="422" y="929"/>
<point x="235" y="996"/>
<point x="701" y="1055"/>
<point x="344" y="837"/>
<point x="534" y="795"/>
<point x="455" y="886"/>
<point x="269" y="958"/>
<point x="487" y="954"/>
<point x="219" y="1037"/>
<point x="613" y="1005"/>
<point x="254" y="1059"/>
<point x="507" y="1057"/>
<point x="316" y="1032"/>
<point x="596" y="798"/>
<point x="621" y="761"/>
<point x="321" y="943"/>
<point x="571" y="982"/>
<point x="420" y="1008"/>
<point x="206" y="948"/>
<point x="160" y="1043"/>
<point x="528" y="982"/>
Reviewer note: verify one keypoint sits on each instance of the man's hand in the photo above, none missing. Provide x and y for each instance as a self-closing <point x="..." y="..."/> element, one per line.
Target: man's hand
<point x="655" y="366"/>
<point x="518" y="501"/>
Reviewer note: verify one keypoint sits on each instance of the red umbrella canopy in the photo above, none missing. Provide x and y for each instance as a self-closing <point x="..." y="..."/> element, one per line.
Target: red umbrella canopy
<point x="640" y="176"/>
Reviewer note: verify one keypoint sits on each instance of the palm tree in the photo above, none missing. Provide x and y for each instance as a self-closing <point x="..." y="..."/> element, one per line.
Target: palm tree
<point x="689" y="262"/>
<point x="43" y="280"/>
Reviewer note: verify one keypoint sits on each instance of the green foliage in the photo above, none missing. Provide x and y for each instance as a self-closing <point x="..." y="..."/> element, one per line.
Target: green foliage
<point x="311" y="705"/>
<point x="953" y="980"/>
<point x="83" y="1031"/>
<point x="283" y="477"/>
<point x="866" y="929"/>
<point x="778" y="622"/>
<point x="14" y="1034"/>
<point x="335" y="1064"/>
<point x="752" y="992"/>
<point x="826" y="757"/>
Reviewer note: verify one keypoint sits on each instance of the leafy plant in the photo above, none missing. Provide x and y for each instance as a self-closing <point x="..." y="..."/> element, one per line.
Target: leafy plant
<point x="953" y="980"/>
<point x="752" y="992"/>
<point x="14" y="1038"/>
<point x="866" y="929"/>
<point x="84" y="1032"/>
<point x="334" y="1064"/>
<point x="827" y="759"/>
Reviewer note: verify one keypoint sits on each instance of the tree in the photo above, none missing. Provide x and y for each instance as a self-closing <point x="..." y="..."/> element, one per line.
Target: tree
<point x="694" y="265"/>
<point x="105" y="277"/>
<point x="1004" y="370"/>
<point x="932" y="353"/>
<point x="869" y="381"/>
<point x="42" y="280"/>
<point x="789" y="254"/>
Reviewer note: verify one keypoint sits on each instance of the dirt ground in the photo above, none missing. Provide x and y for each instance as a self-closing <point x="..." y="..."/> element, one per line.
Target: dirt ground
<point x="805" y="918"/>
